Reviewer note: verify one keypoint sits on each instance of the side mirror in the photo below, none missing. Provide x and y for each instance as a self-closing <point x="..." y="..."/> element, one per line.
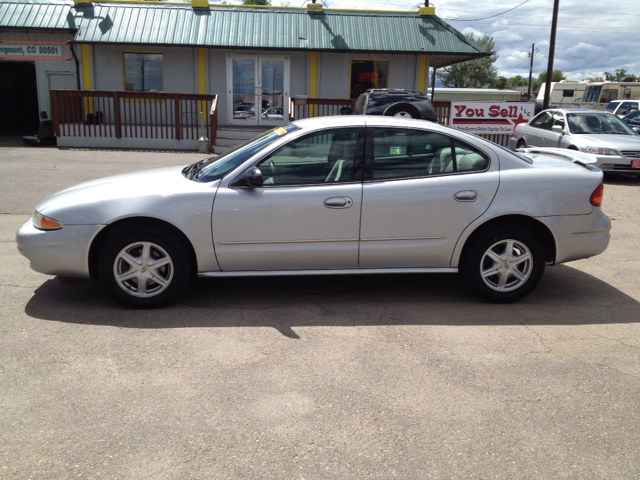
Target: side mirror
<point x="345" y="111"/>
<point x="558" y="129"/>
<point x="253" y="177"/>
<point x="636" y="129"/>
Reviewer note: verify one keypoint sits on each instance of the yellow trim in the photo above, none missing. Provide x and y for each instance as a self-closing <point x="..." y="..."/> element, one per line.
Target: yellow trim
<point x="153" y="2"/>
<point x="368" y="60"/>
<point x="202" y="78"/>
<point x="200" y="3"/>
<point x="124" y="82"/>
<point x="422" y="73"/>
<point x="85" y="53"/>
<point x="313" y="80"/>
<point x="427" y="11"/>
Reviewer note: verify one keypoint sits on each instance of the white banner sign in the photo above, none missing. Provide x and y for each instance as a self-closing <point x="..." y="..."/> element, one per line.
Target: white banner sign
<point x="489" y="117"/>
<point x="60" y="51"/>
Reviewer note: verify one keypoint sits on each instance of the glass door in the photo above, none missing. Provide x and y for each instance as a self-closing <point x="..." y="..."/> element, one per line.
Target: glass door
<point x="258" y="90"/>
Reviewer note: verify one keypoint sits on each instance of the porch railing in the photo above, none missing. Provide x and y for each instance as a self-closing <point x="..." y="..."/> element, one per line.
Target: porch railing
<point x="317" y="107"/>
<point x="143" y="115"/>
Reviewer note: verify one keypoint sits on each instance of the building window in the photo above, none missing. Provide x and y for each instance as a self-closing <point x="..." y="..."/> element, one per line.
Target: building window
<point x="567" y="93"/>
<point x="143" y="72"/>
<point x="366" y="74"/>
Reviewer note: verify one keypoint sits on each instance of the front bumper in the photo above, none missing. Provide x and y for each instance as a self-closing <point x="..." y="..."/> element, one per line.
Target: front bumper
<point x="611" y="164"/>
<point x="63" y="252"/>
<point x="579" y="236"/>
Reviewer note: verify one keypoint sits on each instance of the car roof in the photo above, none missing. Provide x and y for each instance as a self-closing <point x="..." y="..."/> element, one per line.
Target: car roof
<point x="577" y="110"/>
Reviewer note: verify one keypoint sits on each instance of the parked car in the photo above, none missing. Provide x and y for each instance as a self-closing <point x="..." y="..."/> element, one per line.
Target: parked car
<point x="616" y="146"/>
<point x="328" y="195"/>
<point x="244" y="110"/>
<point x="274" y="113"/>
<point x="393" y="103"/>
<point x="633" y="120"/>
<point x="622" y="107"/>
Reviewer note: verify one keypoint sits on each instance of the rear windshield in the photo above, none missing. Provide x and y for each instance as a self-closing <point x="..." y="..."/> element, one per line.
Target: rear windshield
<point x="215" y="168"/>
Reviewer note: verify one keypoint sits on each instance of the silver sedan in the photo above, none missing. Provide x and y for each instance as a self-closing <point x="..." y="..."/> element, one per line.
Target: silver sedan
<point x="615" y="144"/>
<point x="333" y="195"/>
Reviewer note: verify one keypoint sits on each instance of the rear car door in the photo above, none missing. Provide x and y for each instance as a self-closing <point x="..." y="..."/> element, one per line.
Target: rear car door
<point x="421" y="190"/>
<point x="537" y="130"/>
<point x="305" y="216"/>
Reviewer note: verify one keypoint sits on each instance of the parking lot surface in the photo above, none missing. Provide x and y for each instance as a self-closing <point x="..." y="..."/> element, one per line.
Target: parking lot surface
<point x="399" y="376"/>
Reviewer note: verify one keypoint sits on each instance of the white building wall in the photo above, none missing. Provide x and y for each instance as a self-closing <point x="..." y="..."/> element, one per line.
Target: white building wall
<point x="334" y="70"/>
<point x="56" y="74"/>
<point x="178" y="63"/>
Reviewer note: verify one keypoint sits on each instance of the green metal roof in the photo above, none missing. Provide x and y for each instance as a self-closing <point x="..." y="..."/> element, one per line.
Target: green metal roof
<point x="247" y="28"/>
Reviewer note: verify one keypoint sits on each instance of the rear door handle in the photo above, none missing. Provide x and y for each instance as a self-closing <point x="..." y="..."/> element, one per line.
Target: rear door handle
<point x="338" y="202"/>
<point x="466" y="196"/>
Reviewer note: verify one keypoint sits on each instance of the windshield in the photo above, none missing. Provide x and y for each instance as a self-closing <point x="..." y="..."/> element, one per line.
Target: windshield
<point x="215" y="168"/>
<point x="611" y="107"/>
<point x="593" y="123"/>
<point x="592" y="94"/>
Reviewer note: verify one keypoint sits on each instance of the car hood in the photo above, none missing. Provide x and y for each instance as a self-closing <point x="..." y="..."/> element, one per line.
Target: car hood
<point x="99" y="201"/>
<point x="621" y="142"/>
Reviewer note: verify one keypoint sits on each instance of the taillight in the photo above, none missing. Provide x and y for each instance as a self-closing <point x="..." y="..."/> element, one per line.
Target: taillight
<point x="596" y="196"/>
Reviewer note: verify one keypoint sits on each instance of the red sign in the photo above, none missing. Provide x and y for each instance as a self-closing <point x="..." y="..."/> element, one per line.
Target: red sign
<point x="368" y="77"/>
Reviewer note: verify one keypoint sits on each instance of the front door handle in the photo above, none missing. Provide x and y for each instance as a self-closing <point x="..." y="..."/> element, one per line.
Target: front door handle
<point x="338" y="202"/>
<point x="466" y="196"/>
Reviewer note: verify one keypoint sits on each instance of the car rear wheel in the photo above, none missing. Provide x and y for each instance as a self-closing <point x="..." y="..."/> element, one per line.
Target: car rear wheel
<point x="144" y="267"/>
<point x="403" y="110"/>
<point x="505" y="265"/>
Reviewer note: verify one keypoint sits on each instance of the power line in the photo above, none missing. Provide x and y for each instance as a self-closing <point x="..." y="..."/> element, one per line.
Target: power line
<point x="485" y="18"/>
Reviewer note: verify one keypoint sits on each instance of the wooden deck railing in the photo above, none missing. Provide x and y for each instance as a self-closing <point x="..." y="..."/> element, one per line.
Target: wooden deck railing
<point x="317" y="107"/>
<point x="95" y="113"/>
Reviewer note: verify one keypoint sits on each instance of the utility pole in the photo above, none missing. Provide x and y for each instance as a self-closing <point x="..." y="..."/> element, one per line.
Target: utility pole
<point x="552" y="49"/>
<point x="533" y="48"/>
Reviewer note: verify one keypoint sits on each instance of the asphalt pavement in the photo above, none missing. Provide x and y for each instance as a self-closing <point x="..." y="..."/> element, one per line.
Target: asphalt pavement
<point x="399" y="376"/>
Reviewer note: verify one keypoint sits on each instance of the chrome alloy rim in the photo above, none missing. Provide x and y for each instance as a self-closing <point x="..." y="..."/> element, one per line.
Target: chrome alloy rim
<point x="403" y="114"/>
<point x="506" y="265"/>
<point x="143" y="269"/>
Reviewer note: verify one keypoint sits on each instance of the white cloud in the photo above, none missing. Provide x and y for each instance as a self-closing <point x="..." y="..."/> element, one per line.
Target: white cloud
<point x="585" y="50"/>
<point x="475" y="32"/>
<point x="500" y="23"/>
<point x="448" y="14"/>
<point x="505" y="36"/>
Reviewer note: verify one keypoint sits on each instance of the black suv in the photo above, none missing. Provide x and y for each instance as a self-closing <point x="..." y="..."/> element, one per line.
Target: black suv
<point x="393" y="103"/>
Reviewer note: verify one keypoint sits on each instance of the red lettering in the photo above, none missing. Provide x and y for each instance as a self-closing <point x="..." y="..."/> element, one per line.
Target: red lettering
<point x="460" y="109"/>
<point x="469" y="113"/>
<point x="479" y="112"/>
<point x="494" y="111"/>
<point x="504" y="112"/>
<point x="513" y="110"/>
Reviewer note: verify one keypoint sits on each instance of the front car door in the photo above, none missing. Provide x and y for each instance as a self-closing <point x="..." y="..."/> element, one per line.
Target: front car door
<point x="307" y="214"/>
<point x="421" y="190"/>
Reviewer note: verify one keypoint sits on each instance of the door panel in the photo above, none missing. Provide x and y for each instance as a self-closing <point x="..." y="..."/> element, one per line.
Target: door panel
<point x="416" y="222"/>
<point x="286" y="228"/>
<point x="274" y="91"/>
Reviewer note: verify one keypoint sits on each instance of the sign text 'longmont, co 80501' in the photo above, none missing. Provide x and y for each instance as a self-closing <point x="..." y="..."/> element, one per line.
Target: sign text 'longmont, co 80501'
<point x="35" y="50"/>
<point x="489" y="117"/>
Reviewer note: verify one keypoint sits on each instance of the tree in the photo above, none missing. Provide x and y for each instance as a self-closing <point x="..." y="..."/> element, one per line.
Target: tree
<point x="595" y="79"/>
<point x="473" y="73"/>
<point x="556" y="76"/>
<point x="619" y="75"/>
<point x="256" y="2"/>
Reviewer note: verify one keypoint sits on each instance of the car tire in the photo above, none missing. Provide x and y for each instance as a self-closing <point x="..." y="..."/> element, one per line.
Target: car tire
<point x="144" y="267"/>
<point x="521" y="144"/>
<point x="492" y="271"/>
<point x="403" y="110"/>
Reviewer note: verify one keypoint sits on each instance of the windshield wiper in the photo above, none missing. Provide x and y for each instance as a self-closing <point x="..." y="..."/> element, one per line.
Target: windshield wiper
<point x="192" y="170"/>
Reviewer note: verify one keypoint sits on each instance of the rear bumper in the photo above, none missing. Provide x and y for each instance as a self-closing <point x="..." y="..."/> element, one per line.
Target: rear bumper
<point x="63" y="252"/>
<point x="579" y="236"/>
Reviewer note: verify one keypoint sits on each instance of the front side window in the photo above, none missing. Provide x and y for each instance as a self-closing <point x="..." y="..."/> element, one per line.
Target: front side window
<point x="366" y="74"/>
<point x="404" y="153"/>
<point x="542" y="121"/>
<point x="558" y="119"/>
<point x="322" y="157"/>
<point x="143" y="72"/>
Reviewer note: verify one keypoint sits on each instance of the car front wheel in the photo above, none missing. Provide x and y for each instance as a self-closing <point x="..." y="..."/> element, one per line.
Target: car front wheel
<point x="505" y="265"/>
<point x="144" y="267"/>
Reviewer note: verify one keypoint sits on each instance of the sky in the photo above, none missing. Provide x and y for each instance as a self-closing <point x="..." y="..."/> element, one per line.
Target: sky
<point x="592" y="37"/>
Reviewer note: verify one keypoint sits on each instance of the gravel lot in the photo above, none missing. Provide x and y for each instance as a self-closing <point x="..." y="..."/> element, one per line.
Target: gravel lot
<point x="353" y="377"/>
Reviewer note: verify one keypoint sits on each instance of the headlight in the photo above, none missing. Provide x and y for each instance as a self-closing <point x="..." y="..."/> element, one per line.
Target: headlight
<point x="44" y="223"/>
<point x="602" y="151"/>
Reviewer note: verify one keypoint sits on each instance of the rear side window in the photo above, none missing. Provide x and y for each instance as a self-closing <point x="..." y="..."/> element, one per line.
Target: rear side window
<point x="404" y="153"/>
<point x="542" y="121"/>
